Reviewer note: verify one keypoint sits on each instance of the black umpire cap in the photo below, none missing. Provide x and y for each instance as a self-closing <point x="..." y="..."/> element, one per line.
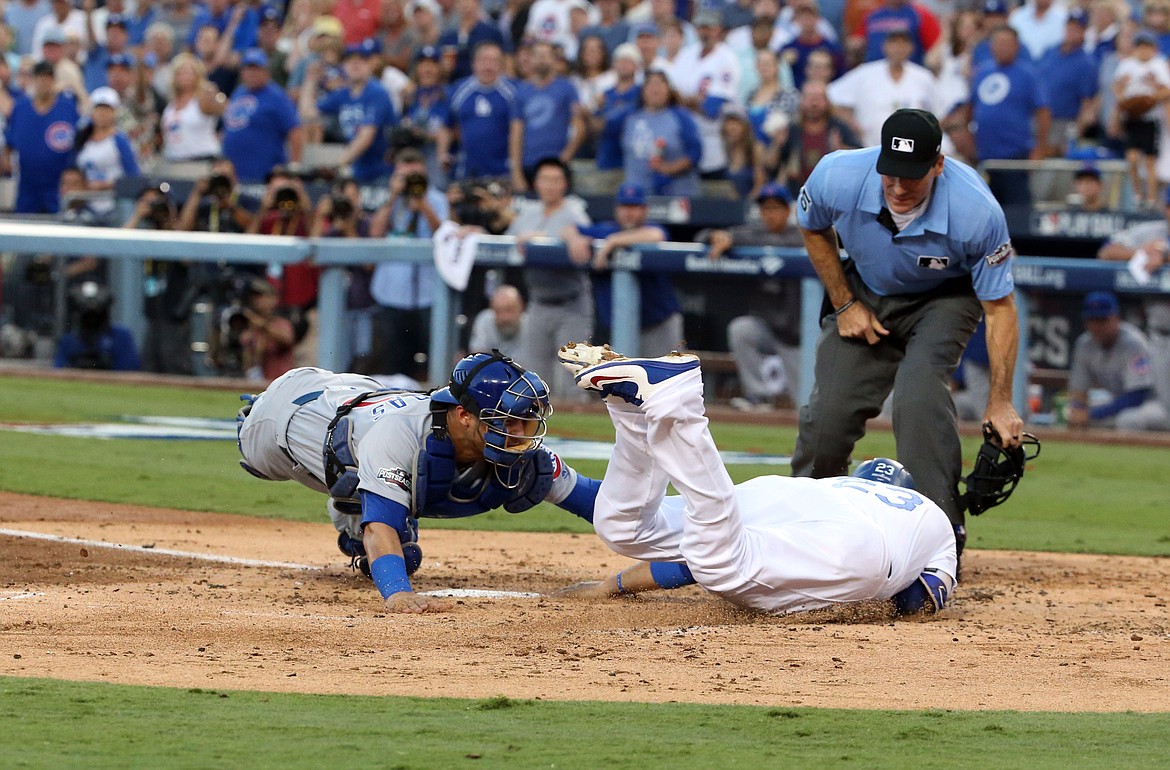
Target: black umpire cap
<point x="911" y="143"/>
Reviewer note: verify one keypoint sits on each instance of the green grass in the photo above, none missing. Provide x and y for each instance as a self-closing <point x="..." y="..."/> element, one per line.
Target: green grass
<point x="51" y="724"/>
<point x="1076" y="497"/>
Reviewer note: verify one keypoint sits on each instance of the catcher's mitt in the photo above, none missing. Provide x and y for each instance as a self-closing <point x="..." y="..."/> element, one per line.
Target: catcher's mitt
<point x="997" y="470"/>
<point x="1133" y="107"/>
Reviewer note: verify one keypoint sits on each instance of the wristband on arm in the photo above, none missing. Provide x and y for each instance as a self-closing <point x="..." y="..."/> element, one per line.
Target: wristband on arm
<point x="838" y="311"/>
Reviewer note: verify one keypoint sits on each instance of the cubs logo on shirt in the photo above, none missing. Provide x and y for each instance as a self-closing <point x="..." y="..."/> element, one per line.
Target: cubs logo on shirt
<point x="240" y="111"/>
<point x="59" y="136"/>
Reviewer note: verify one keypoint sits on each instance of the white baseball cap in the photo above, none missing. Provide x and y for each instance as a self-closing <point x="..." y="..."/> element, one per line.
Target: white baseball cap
<point x="105" y="96"/>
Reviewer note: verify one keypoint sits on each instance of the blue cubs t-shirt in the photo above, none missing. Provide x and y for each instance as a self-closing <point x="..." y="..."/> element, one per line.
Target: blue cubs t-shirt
<point x="547" y="113"/>
<point x="464" y="45"/>
<point x="44" y="144"/>
<point x="884" y="20"/>
<point x="369" y="107"/>
<point x="961" y="232"/>
<point x="255" y="127"/>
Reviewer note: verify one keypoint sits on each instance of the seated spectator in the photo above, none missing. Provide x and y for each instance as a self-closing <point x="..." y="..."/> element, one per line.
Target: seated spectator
<point x="405" y="291"/>
<point x="499" y="326"/>
<point x="482" y="109"/>
<point x="745" y="162"/>
<point x="157" y="56"/>
<point x="765" y="341"/>
<point x="178" y="18"/>
<point x="259" y="121"/>
<point x="41" y="132"/>
<point x="62" y="19"/>
<point x="138" y="114"/>
<point x="399" y="41"/>
<point x="820" y="68"/>
<point x="1088" y="192"/>
<point x="104" y="154"/>
<point x="661" y="147"/>
<point x="267" y="341"/>
<point x="359" y="18"/>
<point x="548" y="121"/>
<point x="189" y="119"/>
<point x="560" y="300"/>
<point x="323" y="44"/>
<point x="92" y="341"/>
<point x="363" y="111"/>
<point x="426" y="19"/>
<point x="660" y="325"/>
<point x="1115" y="356"/>
<point x="920" y="25"/>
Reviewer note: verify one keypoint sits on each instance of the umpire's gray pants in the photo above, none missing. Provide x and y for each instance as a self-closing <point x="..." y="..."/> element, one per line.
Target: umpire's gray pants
<point x="916" y="360"/>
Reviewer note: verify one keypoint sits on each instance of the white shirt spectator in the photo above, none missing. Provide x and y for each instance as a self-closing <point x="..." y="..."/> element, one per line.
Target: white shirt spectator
<point x="873" y="95"/>
<point x="189" y="133"/>
<point x="74" y="24"/>
<point x="1139" y="74"/>
<point x="548" y="21"/>
<point x="714" y="75"/>
<point x="1039" y="33"/>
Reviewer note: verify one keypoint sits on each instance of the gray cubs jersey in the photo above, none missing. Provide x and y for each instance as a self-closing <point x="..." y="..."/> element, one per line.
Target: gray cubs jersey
<point x="1122" y="368"/>
<point x="283" y="436"/>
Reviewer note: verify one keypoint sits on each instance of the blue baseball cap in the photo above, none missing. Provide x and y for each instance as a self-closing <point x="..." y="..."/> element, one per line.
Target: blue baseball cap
<point x="1146" y="37"/>
<point x="774" y="192"/>
<point x="1078" y="15"/>
<point x="269" y="13"/>
<point x="116" y="20"/>
<point x="365" y="49"/>
<point x="995" y="7"/>
<point x="1100" y="304"/>
<point x="1090" y="169"/>
<point x="120" y="60"/>
<point x="428" y="52"/>
<point x="630" y="194"/>
<point x="645" y="29"/>
<point x="254" y="57"/>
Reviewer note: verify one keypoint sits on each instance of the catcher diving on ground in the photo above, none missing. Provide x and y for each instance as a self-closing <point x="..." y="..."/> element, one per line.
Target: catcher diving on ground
<point x="387" y="457"/>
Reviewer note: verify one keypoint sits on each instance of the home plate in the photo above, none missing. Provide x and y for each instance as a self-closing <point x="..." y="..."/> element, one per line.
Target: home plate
<point x="6" y="596"/>
<point x="479" y="593"/>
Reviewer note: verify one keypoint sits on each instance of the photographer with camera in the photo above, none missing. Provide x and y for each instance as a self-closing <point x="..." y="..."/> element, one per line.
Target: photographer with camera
<point x="340" y="215"/>
<point x="267" y="342"/>
<point x="92" y="341"/>
<point x="287" y="210"/>
<point x="404" y="291"/>
<point x="168" y="289"/>
<point x="215" y="205"/>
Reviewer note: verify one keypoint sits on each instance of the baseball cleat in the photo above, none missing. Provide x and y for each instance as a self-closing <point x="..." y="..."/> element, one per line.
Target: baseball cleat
<point x="631" y="379"/>
<point x="575" y="356"/>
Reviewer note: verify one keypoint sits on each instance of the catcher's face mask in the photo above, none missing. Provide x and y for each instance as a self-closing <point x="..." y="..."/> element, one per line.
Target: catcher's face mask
<point x="997" y="471"/>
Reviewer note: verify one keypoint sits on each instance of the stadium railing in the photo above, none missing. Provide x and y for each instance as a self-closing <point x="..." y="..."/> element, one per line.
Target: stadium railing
<point x="127" y="250"/>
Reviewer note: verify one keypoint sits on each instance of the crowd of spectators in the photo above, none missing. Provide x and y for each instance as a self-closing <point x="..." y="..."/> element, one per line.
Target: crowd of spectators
<point x="445" y="102"/>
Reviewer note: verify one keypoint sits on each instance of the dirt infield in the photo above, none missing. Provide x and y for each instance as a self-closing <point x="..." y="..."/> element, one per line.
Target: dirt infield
<point x="1027" y="631"/>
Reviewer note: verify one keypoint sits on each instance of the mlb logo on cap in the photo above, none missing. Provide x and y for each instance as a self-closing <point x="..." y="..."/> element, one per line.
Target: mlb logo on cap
<point x="899" y="144"/>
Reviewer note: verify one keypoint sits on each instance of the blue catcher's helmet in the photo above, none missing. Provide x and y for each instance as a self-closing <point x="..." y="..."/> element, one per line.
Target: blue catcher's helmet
<point x="885" y="470"/>
<point x="510" y="401"/>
